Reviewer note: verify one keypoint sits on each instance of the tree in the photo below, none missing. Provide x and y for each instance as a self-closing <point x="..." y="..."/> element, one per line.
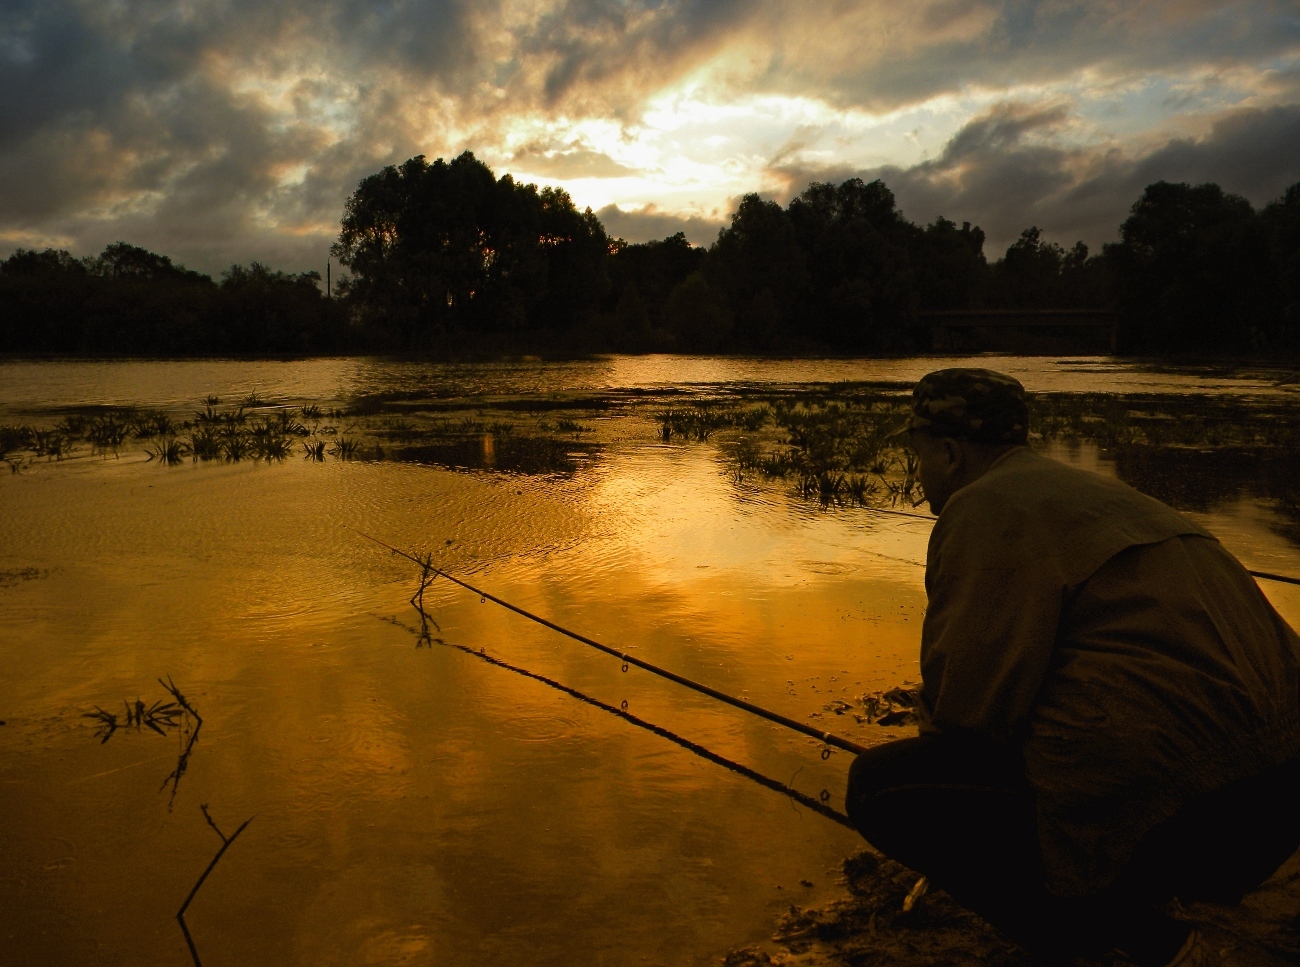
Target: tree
<point x="1282" y="224"/>
<point x="948" y="266"/>
<point x="654" y="269"/>
<point x="755" y="264"/>
<point x="1193" y="272"/>
<point x="855" y="243"/>
<point x="448" y="247"/>
<point x="697" y="316"/>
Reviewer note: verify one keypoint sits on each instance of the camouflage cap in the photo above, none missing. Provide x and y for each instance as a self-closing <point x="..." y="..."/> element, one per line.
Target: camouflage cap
<point x="973" y="404"/>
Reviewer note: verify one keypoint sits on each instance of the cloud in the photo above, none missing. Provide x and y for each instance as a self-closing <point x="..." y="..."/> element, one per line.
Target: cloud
<point x="574" y="161"/>
<point x="1010" y="168"/>
<point x="223" y="130"/>
<point x="650" y="224"/>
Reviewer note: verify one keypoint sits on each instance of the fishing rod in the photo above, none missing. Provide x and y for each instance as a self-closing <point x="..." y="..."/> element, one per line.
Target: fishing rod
<point x="829" y="738"/>
<point x="1273" y="577"/>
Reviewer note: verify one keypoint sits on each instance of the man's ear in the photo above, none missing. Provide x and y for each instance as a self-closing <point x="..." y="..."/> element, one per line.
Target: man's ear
<point x="952" y="453"/>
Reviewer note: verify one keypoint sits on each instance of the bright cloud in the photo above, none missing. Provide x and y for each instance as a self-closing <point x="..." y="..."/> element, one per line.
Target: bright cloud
<point x="224" y="130"/>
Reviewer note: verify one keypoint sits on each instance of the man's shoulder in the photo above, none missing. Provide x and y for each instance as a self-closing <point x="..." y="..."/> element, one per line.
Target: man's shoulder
<point x="1022" y="480"/>
<point x="1028" y="507"/>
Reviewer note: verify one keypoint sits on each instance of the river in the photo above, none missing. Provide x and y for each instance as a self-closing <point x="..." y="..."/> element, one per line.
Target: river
<point x="410" y="802"/>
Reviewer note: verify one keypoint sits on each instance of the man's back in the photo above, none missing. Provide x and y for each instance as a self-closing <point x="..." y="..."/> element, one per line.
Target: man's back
<point x="1134" y="661"/>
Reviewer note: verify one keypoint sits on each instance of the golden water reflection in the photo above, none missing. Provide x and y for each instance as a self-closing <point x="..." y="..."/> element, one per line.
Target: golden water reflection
<point x="415" y="805"/>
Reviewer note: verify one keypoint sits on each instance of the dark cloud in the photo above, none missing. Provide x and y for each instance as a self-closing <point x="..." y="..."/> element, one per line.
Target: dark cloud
<point x="574" y="161"/>
<point x="878" y="58"/>
<point x="222" y="130"/>
<point x="651" y="224"/>
<point x="1006" y="170"/>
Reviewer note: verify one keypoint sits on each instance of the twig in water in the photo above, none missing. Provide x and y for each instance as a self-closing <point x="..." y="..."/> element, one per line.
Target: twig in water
<point x="107" y="723"/>
<point x="225" y="845"/>
<point x="183" y="760"/>
<point x="427" y="573"/>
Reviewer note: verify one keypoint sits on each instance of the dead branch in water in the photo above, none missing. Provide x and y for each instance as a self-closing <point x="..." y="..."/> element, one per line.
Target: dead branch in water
<point x="225" y="845"/>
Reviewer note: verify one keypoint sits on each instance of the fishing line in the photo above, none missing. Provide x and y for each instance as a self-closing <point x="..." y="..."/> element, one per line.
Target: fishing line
<point x="1267" y="576"/>
<point x="828" y="737"/>
<point x="775" y="785"/>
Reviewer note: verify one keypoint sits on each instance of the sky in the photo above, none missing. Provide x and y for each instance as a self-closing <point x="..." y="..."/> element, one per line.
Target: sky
<point x="220" y="131"/>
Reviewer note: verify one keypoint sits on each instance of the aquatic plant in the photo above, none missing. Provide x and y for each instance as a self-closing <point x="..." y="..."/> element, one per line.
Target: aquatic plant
<point x="159" y="717"/>
<point x="226" y="842"/>
<point x="152" y="423"/>
<point x="168" y="451"/>
<point x="107" y="432"/>
<point x="192" y="738"/>
<point x="107" y="723"/>
<point x="252" y="400"/>
<point x="287" y="424"/>
<point x="51" y="444"/>
<point x="311" y="412"/>
<point x="72" y="426"/>
<point x="235" y="446"/>
<point x="314" y="450"/>
<point x="206" y="444"/>
<point x="14" y="438"/>
<point x="267" y="442"/>
<point x="571" y="426"/>
<point x="212" y="400"/>
<point x="345" y="448"/>
<point x="400" y="429"/>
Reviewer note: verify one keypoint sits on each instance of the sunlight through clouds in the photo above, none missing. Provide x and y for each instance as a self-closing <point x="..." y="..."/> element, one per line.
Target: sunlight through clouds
<point x="223" y="131"/>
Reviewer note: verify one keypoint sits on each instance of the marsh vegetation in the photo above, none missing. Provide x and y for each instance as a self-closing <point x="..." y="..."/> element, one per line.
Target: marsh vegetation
<point x="834" y="444"/>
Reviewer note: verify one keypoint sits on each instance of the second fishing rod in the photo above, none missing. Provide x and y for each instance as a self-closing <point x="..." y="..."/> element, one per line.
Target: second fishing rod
<point x="830" y="738"/>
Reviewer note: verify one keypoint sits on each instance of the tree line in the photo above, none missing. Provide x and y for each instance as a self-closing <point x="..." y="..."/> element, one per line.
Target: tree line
<point x="131" y="302"/>
<point x="446" y="258"/>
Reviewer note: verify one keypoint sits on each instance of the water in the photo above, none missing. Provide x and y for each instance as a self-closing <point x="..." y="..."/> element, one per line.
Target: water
<point x="415" y="804"/>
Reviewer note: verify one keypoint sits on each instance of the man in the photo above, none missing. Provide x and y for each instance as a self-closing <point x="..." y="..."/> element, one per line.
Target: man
<point x="1110" y="706"/>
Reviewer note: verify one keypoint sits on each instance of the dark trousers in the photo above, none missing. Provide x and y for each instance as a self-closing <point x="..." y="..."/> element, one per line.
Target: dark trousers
<point x="959" y="810"/>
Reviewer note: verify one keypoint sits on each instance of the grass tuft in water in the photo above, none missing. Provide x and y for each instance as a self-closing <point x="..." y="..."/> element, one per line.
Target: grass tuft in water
<point x="345" y="448"/>
<point x="168" y="451"/>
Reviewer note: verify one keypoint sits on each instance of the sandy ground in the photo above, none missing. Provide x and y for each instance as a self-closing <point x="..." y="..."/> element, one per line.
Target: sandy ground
<point x="870" y="928"/>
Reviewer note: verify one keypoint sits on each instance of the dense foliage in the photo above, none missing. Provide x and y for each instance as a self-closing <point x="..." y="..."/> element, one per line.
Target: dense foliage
<point x="129" y="301"/>
<point x="1198" y="268"/>
<point x="445" y="258"/>
<point x="443" y="249"/>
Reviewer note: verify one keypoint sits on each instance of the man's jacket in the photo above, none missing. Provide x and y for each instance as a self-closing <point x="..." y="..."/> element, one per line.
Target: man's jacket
<point x="1131" y="658"/>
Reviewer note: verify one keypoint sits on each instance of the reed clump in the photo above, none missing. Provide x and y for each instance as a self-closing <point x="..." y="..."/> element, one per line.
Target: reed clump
<point x="838" y="453"/>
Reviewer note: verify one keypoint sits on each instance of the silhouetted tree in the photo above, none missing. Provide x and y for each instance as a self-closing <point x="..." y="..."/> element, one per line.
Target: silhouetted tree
<point x="697" y="316"/>
<point x="1282" y="222"/>
<point x="653" y="269"/>
<point x="1192" y="272"/>
<point x="759" y="268"/>
<point x="861" y="290"/>
<point x="948" y="266"/>
<point x="130" y="301"/>
<point x="1038" y="274"/>
<point x="448" y="247"/>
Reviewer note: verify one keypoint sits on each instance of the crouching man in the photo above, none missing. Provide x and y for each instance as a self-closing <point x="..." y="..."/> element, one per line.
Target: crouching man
<point x="1110" y="706"/>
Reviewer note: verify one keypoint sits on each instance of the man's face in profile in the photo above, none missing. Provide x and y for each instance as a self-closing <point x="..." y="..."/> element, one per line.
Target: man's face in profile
<point x="940" y="460"/>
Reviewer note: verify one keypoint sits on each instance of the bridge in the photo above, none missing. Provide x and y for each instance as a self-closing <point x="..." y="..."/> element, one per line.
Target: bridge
<point x="1022" y="330"/>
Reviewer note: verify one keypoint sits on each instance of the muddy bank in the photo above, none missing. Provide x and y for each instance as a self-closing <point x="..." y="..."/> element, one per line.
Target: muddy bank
<point x="869" y="926"/>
